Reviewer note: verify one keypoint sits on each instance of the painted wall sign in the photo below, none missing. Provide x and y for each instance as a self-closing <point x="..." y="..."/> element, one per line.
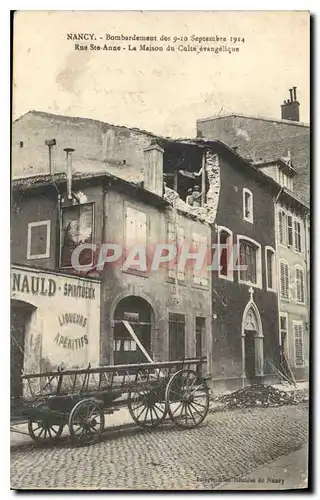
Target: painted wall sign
<point x="66" y="315"/>
<point x="39" y="285"/>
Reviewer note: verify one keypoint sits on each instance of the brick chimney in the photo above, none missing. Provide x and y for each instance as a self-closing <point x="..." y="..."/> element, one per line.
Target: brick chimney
<point x="153" y="168"/>
<point x="290" y="108"/>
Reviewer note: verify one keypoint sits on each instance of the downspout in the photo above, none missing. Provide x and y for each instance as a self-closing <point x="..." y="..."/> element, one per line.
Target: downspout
<point x="275" y="201"/>
<point x="50" y="143"/>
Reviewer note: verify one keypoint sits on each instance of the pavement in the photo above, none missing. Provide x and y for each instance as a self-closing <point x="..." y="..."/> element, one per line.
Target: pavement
<point x="285" y="473"/>
<point x="229" y="450"/>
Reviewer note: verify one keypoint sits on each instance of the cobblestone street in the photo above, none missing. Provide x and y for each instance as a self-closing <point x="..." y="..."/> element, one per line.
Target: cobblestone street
<point x="226" y="445"/>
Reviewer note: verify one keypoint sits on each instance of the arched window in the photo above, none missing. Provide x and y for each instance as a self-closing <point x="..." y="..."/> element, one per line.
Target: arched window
<point x="249" y="260"/>
<point x="247" y="205"/>
<point x="270" y="268"/>
<point x="225" y="247"/>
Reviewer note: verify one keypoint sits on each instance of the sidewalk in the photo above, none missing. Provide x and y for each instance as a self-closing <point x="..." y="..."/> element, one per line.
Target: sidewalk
<point x="287" y="472"/>
<point x="119" y="419"/>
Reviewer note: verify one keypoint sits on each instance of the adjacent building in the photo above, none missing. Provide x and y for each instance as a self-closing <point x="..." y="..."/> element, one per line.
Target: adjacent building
<point x="258" y="138"/>
<point x="79" y="181"/>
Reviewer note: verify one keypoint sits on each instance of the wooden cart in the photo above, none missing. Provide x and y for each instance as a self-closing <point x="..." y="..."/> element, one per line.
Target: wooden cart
<point x="81" y="399"/>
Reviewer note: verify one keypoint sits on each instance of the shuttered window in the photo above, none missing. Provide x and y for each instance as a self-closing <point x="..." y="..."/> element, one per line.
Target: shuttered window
<point x="136" y="229"/>
<point x="175" y="236"/>
<point x="298" y="343"/>
<point x="200" y="276"/>
<point x="289" y="230"/>
<point x="297" y="236"/>
<point x="284" y="280"/>
<point x="282" y="227"/>
<point x="299" y="285"/>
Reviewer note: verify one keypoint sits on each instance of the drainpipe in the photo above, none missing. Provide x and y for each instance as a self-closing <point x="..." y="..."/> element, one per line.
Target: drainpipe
<point x="50" y="143"/>
<point x="69" y="152"/>
<point x="277" y="260"/>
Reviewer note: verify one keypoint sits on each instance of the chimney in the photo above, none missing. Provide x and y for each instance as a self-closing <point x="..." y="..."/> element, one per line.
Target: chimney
<point x="69" y="152"/>
<point x="153" y="168"/>
<point x="50" y="143"/>
<point x="290" y="109"/>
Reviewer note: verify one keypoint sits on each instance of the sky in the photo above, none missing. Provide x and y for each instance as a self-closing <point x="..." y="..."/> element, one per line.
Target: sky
<point x="162" y="92"/>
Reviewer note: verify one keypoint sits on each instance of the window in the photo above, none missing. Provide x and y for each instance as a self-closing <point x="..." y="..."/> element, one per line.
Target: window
<point x="270" y="269"/>
<point x="297" y="236"/>
<point x="282" y="224"/>
<point x="298" y="343"/>
<point x="38" y="241"/>
<point x="175" y="236"/>
<point x="77" y="228"/>
<point x="247" y="205"/>
<point x="250" y="258"/>
<point x="289" y="231"/>
<point x="200" y="276"/>
<point x="136" y="231"/>
<point x="225" y="253"/>
<point x="176" y="336"/>
<point x="299" y="285"/>
<point x="284" y="280"/>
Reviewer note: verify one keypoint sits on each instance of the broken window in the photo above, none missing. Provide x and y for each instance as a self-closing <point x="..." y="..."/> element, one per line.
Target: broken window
<point x="77" y="228"/>
<point x="38" y="242"/>
<point x="184" y="172"/>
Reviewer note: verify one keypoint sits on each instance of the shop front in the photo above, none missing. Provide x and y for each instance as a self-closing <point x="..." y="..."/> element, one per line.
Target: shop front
<point x="55" y="322"/>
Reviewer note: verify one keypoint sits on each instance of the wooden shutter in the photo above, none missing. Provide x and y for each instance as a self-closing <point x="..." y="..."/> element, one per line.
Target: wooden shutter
<point x="299" y="285"/>
<point x="289" y="230"/>
<point x="195" y="248"/>
<point x="172" y="240"/>
<point x="204" y="272"/>
<point x="284" y="280"/>
<point x="298" y="344"/>
<point x="282" y="226"/>
<point x="180" y="239"/>
<point x="297" y="236"/>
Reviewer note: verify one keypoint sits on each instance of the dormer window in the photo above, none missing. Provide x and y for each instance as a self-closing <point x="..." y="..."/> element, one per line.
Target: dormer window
<point x="247" y="205"/>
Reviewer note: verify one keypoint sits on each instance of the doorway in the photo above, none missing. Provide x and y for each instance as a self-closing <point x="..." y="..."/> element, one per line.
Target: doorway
<point x="252" y="345"/>
<point x="250" y="355"/>
<point x="138" y="313"/>
<point x="176" y="336"/>
<point x="20" y="315"/>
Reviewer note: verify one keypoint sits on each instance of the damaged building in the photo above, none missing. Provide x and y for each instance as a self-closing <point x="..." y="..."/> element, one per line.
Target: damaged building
<point x="126" y="186"/>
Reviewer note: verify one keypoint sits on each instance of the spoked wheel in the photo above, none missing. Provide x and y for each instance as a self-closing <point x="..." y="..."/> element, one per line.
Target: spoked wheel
<point x="43" y="431"/>
<point x="86" y="422"/>
<point x="187" y="399"/>
<point x="146" y="405"/>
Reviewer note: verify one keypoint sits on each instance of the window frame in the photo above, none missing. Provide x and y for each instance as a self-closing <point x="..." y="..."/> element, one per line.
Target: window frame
<point x="131" y="206"/>
<point x="294" y="324"/>
<point x="229" y="276"/>
<point x="296" y="220"/>
<point x="298" y="267"/>
<point x="283" y="261"/>
<point x="250" y="217"/>
<point x="46" y="255"/>
<point x="61" y="228"/>
<point x="201" y="239"/>
<point x="285" y="229"/>
<point x="241" y="237"/>
<point x="273" y="288"/>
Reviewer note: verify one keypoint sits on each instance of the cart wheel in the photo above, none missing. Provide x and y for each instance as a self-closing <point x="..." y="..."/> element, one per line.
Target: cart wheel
<point x="146" y="405"/>
<point x="187" y="399"/>
<point x="86" y="422"/>
<point x="43" y="431"/>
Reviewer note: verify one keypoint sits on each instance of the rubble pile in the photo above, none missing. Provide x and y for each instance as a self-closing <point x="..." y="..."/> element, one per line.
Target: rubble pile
<point x="204" y="213"/>
<point x="259" y="395"/>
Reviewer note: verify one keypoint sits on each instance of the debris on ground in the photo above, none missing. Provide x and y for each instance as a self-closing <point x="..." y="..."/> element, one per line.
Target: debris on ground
<point x="258" y="396"/>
